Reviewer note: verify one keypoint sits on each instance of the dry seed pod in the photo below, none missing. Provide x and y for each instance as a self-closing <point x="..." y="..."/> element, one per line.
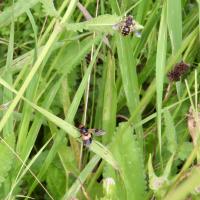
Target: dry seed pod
<point x="173" y="76"/>
<point x="193" y="124"/>
<point x="182" y="67"/>
<point x="179" y="70"/>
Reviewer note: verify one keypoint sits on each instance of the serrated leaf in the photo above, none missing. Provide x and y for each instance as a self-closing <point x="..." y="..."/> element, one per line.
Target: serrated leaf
<point x="129" y="157"/>
<point x="170" y="132"/>
<point x="193" y="124"/>
<point x="49" y="8"/>
<point x="56" y="181"/>
<point x="185" y="150"/>
<point x="6" y="156"/>
<point x="102" y="23"/>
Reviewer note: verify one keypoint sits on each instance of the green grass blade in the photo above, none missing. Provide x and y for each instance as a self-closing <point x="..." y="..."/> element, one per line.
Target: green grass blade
<point x="198" y="1"/>
<point x="73" y="190"/>
<point x="110" y="100"/>
<point x="96" y="147"/>
<point x="52" y="39"/>
<point x="129" y="78"/>
<point x="174" y="22"/>
<point x="77" y="98"/>
<point x="152" y="88"/>
<point x="34" y="26"/>
<point x="7" y="95"/>
<point x="160" y="71"/>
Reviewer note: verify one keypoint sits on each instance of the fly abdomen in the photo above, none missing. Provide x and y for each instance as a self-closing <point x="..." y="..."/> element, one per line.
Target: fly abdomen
<point x="125" y="30"/>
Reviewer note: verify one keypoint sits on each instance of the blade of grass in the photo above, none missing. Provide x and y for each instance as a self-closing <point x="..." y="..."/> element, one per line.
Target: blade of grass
<point x="77" y="98"/>
<point x="49" y="159"/>
<point x="198" y="1"/>
<point x="25" y="122"/>
<point x="160" y="70"/>
<point x="174" y="22"/>
<point x="7" y="95"/>
<point x="96" y="147"/>
<point x="52" y="39"/>
<point x="141" y="11"/>
<point x="73" y="190"/>
<point x="34" y="26"/>
<point x="35" y="126"/>
<point x="152" y="88"/>
<point x="129" y="79"/>
<point x="110" y="101"/>
<point x="21" y="172"/>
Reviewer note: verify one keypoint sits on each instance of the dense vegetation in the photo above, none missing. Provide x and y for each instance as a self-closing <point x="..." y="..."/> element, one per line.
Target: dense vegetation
<point x="129" y="68"/>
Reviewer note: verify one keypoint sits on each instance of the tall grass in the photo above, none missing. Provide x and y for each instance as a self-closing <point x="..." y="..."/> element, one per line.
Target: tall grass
<point x="59" y="70"/>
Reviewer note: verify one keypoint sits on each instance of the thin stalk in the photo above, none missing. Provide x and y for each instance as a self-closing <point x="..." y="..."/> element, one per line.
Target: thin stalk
<point x="52" y="39"/>
<point x="87" y="92"/>
<point x="52" y="23"/>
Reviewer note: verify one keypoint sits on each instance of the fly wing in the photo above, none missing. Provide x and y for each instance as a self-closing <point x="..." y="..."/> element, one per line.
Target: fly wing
<point x="97" y="132"/>
<point x="138" y="34"/>
<point x="118" y="26"/>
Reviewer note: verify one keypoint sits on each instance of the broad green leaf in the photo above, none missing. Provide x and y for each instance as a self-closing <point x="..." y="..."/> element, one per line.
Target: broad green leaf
<point x="56" y="182"/>
<point x="102" y="23"/>
<point x="127" y="152"/>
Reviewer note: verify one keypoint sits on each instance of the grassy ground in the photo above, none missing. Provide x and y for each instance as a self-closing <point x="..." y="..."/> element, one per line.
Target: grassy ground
<point x="65" y="63"/>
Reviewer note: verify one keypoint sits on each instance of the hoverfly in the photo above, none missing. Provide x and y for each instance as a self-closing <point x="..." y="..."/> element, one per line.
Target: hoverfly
<point x="87" y="134"/>
<point x="127" y="26"/>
